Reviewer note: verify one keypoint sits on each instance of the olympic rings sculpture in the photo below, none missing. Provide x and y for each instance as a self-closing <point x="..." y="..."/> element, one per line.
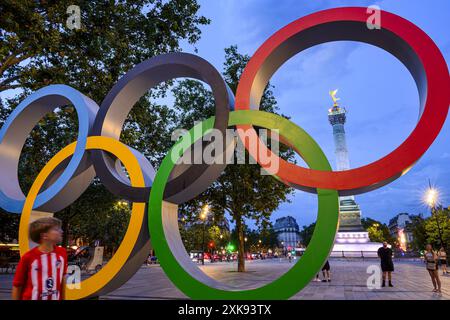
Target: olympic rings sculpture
<point x="156" y="194"/>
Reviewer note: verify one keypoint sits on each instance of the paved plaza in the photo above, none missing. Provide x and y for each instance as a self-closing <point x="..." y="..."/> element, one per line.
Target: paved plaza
<point x="349" y="277"/>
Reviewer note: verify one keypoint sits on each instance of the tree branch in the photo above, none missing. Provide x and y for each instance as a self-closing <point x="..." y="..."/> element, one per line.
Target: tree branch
<point x="14" y="86"/>
<point x="13" y="60"/>
<point x="9" y="80"/>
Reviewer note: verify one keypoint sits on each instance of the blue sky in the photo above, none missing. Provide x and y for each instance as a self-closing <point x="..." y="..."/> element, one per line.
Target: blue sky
<point x="377" y="90"/>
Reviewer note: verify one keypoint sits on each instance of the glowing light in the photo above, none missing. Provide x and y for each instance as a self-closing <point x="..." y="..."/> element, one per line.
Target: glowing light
<point x="122" y="203"/>
<point x="204" y="212"/>
<point x="402" y="239"/>
<point x="431" y="197"/>
<point x="230" y="247"/>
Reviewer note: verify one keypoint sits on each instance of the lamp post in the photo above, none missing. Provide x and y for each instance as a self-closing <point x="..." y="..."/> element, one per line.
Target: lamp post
<point x="431" y="199"/>
<point x="203" y="216"/>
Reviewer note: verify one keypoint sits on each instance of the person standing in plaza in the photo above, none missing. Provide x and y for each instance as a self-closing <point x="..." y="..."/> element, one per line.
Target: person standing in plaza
<point x="431" y="259"/>
<point x="443" y="260"/>
<point x="387" y="266"/>
<point x="326" y="272"/>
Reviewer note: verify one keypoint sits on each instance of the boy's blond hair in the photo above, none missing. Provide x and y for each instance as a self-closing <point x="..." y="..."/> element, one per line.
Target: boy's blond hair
<point x="42" y="225"/>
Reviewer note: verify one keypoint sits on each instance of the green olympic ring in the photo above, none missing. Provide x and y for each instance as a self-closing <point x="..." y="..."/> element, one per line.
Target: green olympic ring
<point x="319" y="247"/>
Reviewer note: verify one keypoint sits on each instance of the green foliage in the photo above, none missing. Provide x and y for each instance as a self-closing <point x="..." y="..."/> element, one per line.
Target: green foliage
<point x="97" y="215"/>
<point x="306" y="233"/>
<point x="257" y="240"/>
<point x="437" y="228"/>
<point x="114" y="36"/>
<point x="37" y="49"/>
<point x="418" y="231"/>
<point x="430" y="230"/>
<point x="375" y="233"/>
<point x="198" y="235"/>
<point x="378" y="232"/>
<point x="9" y="227"/>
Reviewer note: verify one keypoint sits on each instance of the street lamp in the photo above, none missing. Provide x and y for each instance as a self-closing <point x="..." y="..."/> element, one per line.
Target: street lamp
<point x="431" y="198"/>
<point x="203" y="216"/>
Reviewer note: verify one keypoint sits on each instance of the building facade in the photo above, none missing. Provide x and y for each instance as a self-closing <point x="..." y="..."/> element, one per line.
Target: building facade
<point x="288" y="233"/>
<point x="400" y="229"/>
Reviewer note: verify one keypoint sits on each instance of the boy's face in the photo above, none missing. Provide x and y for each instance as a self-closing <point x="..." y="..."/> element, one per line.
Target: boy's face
<point x="53" y="235"/>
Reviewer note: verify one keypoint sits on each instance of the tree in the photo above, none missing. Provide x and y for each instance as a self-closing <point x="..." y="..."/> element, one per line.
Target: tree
<point x="419" y="234"/>
<point x="9" y="227"/>
<point x="37" y="49"/>
<point x="378" y="232"/>
<point x="306" y="233"/>
<point x="269" y="237"/>
<point x="241" y="191"/>
<point x="257" y="240"/>
<point x="194" y="232"/>
<point x="437" y="228"/>
<point x="97" y="215"/>
<point x="375" y="233"/>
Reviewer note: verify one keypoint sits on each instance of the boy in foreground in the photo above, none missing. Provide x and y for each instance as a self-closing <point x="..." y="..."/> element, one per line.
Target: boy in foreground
<point x="41" y="272"/>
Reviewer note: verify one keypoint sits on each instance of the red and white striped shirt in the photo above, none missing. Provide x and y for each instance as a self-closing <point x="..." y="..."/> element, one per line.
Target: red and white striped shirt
<point x="40" y="274"/>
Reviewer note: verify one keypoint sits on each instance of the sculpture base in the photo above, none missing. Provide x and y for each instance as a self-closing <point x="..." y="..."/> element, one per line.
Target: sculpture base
<point x="355" y="245"/>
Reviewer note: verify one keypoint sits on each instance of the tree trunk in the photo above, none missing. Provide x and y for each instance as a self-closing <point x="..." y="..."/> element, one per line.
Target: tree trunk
<point x="65" y="228"/>
<point x="241" y="253"/>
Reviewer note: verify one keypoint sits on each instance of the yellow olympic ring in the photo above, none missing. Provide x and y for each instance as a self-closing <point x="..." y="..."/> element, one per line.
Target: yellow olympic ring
<point x="96" y="282"/>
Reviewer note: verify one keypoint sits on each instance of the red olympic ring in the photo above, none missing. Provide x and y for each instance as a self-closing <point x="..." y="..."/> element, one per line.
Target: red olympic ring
<point x="403" y="39"/>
